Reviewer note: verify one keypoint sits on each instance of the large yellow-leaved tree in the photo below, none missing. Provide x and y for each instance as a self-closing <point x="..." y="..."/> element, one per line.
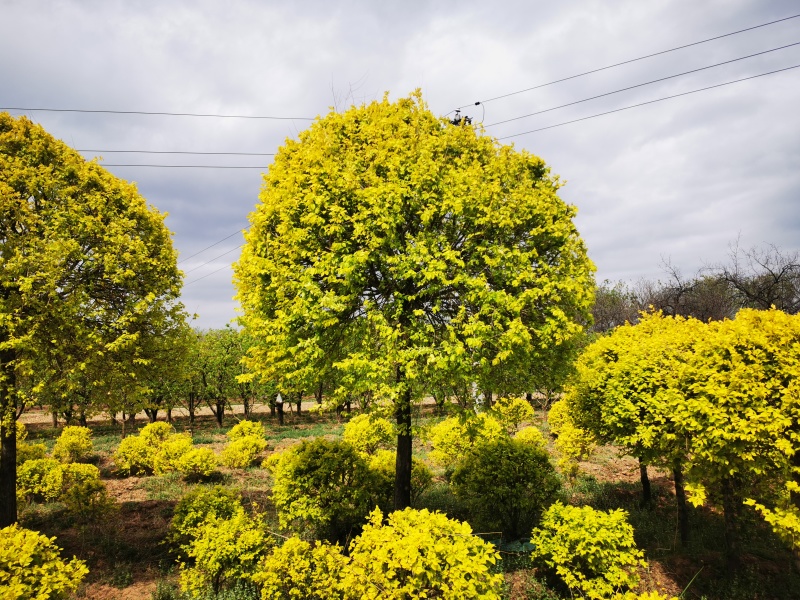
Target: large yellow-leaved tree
<point x="391" y="246"/>
<point x="88" y="276"/>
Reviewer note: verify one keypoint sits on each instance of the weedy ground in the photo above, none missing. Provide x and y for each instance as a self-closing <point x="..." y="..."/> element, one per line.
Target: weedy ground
<point x="128" y="559"/>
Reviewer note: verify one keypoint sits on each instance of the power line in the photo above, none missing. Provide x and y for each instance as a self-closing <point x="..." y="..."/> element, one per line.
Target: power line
<point x="183" y="166"/>
<point x="711" y="87"/>
<point x="206" y="275"/>
<point x="183" y="260"/>
<point x="625" y="62"/>
<point x="212" y="260"/>
<point x="638" y="85"/>
<point x="181" y="152"/>
<point x="150" y="113"/>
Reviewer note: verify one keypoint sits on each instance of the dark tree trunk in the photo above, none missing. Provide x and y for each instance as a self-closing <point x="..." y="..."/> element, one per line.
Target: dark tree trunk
<point x="646" y="493"/>
<point x="487" y="399"/>
<point x="680" y="499"/>
<point x="730" y="506"/>
<point x="348" y="405"/>
<point x="113" y="417"/>
<point x="8" y="440"/>
<point x="169" y="415"/>
<point x="318" y="393"/>
<point x="402" y="480"/>
<point x="55" y="418"/>
<point x="82" y="418"/>
<point x="219" y="411"/>
<point x="299" y="402"/>
<point x="279" y="409"/>
<point x="192" y="407"/>
<point x="152" y="414"/>
<point x="529" y="397"/>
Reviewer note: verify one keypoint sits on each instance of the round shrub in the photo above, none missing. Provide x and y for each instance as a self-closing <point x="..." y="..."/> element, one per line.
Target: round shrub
<point x="367" y="433"/>
<point x="31" y="567"/>
<point x="242" y="452"/>
<point x="592" y="552"/>
<point x="531" y="435"/>
<point x="135" y="456"/>
<point x="419" y="554"/>
<point x="513" y="411"/>
<point x="156" y="433"/>
<point x="223" y="552"/>
<point x="198" y="505"/>
<point x="384" y="464"/>
<point x="197" y="464"/>
<point x="452" y="438"/>
<point x="26" y="452"/>
<point x="323" y="488"/>
<point x="246" y="429"/>
<point x="39" y="480"/>
<point x="169" y="454"/>
<point x="300" y="570"/>
<point x="506" y="484"/>
<point x="73" y="445"/>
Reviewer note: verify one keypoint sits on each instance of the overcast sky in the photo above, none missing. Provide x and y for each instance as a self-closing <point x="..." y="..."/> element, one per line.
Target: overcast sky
<point x="675" y="180"/>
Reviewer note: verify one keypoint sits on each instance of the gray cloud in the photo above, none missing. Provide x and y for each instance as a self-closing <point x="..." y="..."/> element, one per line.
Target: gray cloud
<point x="678" y="179"/>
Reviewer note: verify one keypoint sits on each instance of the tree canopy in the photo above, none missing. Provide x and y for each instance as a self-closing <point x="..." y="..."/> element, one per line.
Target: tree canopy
<point x="88" y="275"/>
<point x="390" y="245"/>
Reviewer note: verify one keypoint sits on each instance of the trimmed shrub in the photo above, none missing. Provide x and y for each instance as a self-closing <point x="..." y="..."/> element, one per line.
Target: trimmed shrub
<point x="572" y="443"/>
<point x="368" y="433"/>
<point x="323" y="488"/>
<point x="419" y="554"/>
<point x="156" y="433"/>
<point x="135" y="455"/>
<point x="506" y="484"/>
<point x="198" y="464"/>
<point x="531" y="435"/>
<point x="39" y="480"/>
<point x="242" y="452"/>
<point x="26" y="451"/>
<point x="198" y="505"/>
<point x="223" y="552"/>
<point x="384" y="464"/>
<point x="31" y="567"/>
<point x="299" y="570"/>
<point x="170" y="453"/>
<point x="246" y="429"/>
<point x="592" y="552"/>
<point x="512" y="411"/>
<point x="73" y="445"/>
<point x="453" y="437"/>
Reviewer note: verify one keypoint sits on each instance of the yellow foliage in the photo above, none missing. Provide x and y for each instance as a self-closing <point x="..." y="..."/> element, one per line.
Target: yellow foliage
<point x="169" y="454"/>
<point x="454" y="437"/>
<point x="511" y="412"/>
<point x="369" y="433"/>
<point x="31" y="567"/>
<point x="73" y="445"/>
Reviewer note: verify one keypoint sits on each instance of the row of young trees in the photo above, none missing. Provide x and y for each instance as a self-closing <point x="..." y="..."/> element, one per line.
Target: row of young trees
<point x="715" y="402"/>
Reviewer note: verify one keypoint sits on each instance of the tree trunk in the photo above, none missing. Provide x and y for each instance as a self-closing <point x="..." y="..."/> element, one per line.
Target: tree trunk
<point x="8" y="440"/>
<point x="529" y="397"/>
<point x="82" y="418"/>
<point x="680" y="499"/>
<point x="299" y="402"/>
<point x="219" y="412"/>
<point x="402" y="480"/>
<point x="55" y="419"/>
<point x="279" y="409"/>
<point x="169" y="415"/>
<point x="152" y="414"/>
<point x="348" y="405"/>
<point x="192" y="406"/>
<point x="730" y="506"/>
<point x="646" y="493"/>
<point x="318" y="393"/>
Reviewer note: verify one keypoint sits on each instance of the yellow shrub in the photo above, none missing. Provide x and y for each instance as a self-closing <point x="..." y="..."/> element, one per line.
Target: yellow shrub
<point x="198" y="505"/>
<point x="39" y="480"/>
<point x="26" y="452"/>
<point x="246" y="429"/>
<point x="223" y="552"/>
<point x="592" y="551"/>
<point x="368" y="433"/>
<point x="198" y="463"/>
<point x="73" y="445"/>
<point x="242" y="452"/>
<point x="31" y="567"/>
<point x="170" y="453"/>
<point x="531" y="435"/>
<point x="299" y="570"/>
<point x="419" y="554"/>
<point x="156" y="433"/>
<point x="512" y="411"/>
<point x="453" y="437"/>
<point x="135" y="456"/>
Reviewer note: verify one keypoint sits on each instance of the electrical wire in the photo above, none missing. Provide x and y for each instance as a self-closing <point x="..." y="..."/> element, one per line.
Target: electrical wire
<point x="638" y="85"/>
<point x="212" y="260"/>
<point x="183" y="260"/>
<point x="711" y="87"/>
<point x="206" y="275"/>
<point x="181" y="152"/>
<point x="151" y="113"/>
<point x="626" y="62"/>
